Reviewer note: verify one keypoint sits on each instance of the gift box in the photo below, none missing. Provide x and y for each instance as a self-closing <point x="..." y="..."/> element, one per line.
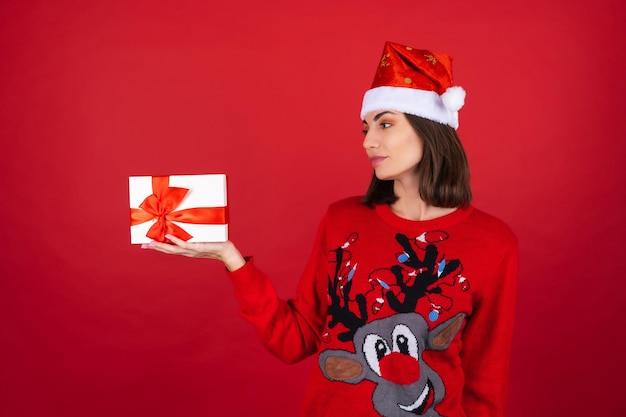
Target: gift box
<point x="190" y="207"/>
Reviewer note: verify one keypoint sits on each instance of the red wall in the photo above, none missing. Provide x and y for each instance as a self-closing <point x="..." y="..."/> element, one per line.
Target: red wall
<point x="269" y="93"/>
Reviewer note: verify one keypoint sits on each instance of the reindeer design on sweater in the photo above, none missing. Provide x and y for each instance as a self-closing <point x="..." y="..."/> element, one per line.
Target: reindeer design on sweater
<point x="388" y="351"/>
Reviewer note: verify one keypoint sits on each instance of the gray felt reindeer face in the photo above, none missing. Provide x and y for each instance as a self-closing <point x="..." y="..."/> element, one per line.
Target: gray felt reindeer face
<point x="388" y="352"/>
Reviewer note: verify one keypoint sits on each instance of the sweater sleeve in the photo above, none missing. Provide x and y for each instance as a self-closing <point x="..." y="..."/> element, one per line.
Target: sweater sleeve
<point x="289" y="329"/>
<point x="487" y="342"/>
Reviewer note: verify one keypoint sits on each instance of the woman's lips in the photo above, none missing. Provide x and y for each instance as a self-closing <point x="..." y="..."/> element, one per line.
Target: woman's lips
<point x="377" y="160"/>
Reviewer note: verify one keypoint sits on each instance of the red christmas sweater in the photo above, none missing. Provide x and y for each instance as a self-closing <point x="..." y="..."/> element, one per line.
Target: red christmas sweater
<point x="406" y="317"/>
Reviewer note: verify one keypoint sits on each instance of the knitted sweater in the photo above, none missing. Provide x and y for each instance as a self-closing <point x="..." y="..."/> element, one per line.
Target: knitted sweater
<point x="406" y="317"/>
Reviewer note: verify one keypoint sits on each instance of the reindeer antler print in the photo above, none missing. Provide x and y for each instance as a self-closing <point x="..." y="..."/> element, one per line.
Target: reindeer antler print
<point x="424" y="273"/>
<point x="339" y="287"/>
<point x="421" y="272"/>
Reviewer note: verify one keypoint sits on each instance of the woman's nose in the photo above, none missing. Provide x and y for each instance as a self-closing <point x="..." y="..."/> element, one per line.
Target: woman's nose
<point x="370" y="141"/>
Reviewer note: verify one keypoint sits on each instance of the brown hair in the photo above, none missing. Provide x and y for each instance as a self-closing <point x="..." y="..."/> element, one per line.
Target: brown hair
<point x="443" y="171"/>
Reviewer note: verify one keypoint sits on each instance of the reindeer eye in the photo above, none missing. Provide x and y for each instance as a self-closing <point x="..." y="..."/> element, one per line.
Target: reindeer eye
<point x="375" y="348"/>
<point x="403" y="344"/>
<point x="404" y="341"/>
<point x="381" y="349"/>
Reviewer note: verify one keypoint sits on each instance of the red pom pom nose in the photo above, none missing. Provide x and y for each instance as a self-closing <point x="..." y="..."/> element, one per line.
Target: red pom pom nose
<point x="400" y="368"/>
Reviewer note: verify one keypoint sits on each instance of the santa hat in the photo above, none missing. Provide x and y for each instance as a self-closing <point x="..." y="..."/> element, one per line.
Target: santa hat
<point x="417" y="82"/>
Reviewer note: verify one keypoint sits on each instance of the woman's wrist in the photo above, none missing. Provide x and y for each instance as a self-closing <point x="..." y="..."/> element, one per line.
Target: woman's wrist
<point x="232" y="258"/>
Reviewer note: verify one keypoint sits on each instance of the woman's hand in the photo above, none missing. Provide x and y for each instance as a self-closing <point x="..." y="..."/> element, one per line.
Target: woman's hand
<point x="222" y="251"/>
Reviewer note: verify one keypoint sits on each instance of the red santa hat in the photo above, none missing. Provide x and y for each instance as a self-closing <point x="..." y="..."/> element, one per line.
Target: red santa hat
<point x="417" y="82"/>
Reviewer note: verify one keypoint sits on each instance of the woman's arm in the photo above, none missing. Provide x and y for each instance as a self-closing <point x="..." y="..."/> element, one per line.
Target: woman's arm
<point x="487" y="342"/>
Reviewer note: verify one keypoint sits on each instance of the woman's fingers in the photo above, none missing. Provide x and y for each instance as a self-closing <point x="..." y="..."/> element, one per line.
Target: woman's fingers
<point x="176" y="241"/>
<point x="180" y="247"/>
<point x="163" y="247"/>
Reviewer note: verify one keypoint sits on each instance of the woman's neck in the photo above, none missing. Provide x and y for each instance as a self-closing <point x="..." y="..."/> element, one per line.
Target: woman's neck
<point x="410" y="205"/>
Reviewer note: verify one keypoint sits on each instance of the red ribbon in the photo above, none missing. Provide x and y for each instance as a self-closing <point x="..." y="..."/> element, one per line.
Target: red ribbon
<point x="160" y="206"/>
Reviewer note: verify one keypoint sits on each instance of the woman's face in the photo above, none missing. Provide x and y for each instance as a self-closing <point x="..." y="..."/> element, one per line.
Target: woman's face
<point x="392" y="145"/>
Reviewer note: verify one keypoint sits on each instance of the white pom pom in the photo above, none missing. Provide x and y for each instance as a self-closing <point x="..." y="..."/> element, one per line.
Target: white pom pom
<point x="453" y="98"/>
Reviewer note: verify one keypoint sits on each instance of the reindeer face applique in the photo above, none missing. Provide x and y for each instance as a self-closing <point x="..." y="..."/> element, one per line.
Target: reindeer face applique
<point x="388" y="352"/>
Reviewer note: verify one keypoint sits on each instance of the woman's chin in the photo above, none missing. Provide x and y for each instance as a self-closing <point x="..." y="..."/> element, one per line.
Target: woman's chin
<point x="382" y="176"/>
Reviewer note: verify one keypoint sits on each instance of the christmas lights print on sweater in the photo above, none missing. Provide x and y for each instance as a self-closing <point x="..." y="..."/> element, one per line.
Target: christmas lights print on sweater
<point x="389" y="336"/>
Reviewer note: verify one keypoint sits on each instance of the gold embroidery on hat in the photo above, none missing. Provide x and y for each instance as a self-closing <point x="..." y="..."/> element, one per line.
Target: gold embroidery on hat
<point x="430" y="58"/>
<point x="408" y="80"/>
<point x="383" y="61"/>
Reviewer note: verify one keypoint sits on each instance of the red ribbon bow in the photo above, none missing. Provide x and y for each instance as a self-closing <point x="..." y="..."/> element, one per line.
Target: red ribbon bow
<point x="160" y="206"/>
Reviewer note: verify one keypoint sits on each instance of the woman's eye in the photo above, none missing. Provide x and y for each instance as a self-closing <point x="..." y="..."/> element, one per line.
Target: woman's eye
<point x="385" y="125"/>
<point x="364" y="131"/>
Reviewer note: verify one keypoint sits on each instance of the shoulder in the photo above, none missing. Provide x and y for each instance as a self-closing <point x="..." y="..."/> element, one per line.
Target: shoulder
<point x="348" y="210"/>
<point x="492" y="227"/>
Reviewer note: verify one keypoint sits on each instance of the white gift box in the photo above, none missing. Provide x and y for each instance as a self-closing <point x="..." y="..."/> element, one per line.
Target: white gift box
<point x="206" y="196"/>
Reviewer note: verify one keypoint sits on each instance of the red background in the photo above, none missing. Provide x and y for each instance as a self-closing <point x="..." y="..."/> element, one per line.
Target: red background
<point x="269" y="93"/>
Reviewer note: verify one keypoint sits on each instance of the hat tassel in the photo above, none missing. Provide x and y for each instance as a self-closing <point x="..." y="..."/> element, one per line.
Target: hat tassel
<point x="453" y="98"/>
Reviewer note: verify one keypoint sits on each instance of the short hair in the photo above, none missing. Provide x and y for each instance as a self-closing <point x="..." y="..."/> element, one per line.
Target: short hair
<point x="443" y="171"/>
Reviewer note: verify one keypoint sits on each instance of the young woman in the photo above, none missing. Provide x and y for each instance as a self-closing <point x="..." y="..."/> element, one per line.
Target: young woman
<point x="408" y="297"/>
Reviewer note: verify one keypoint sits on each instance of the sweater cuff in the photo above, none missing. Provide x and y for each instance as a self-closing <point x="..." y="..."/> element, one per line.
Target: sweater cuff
<point x="253" y="290"/>
<point x="242" y="271"/>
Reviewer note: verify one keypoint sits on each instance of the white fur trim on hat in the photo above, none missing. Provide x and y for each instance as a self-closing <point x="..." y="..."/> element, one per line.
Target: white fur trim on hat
<point x="427" y="104"/>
